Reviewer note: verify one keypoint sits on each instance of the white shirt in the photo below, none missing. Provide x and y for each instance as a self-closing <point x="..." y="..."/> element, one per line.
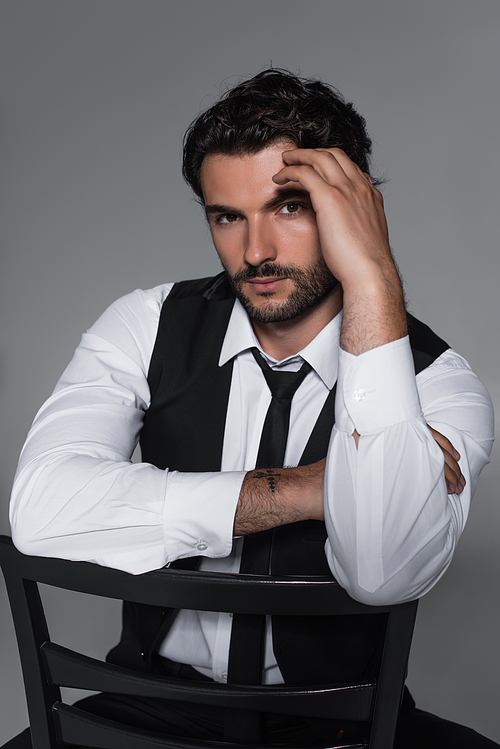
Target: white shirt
<point x="392" y="527"/>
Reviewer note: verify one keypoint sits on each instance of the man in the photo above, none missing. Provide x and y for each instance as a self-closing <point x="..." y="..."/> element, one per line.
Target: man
<point x="388" y="460"/>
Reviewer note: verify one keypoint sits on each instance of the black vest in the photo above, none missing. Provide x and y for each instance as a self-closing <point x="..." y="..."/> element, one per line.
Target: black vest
<point x="184" y="430"/>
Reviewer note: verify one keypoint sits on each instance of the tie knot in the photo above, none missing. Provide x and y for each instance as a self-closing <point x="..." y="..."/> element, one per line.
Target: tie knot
<point x="282" y="385"/>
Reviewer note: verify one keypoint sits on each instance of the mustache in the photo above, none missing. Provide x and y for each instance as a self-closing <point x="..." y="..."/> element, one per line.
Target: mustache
<point x="267" y="270"/>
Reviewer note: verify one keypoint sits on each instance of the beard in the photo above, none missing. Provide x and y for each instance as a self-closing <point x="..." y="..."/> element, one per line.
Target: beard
<point x="311" y="286"/>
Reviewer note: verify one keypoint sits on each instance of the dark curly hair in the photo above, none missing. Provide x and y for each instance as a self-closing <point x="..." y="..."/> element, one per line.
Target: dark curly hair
<point x="275" y="105"/>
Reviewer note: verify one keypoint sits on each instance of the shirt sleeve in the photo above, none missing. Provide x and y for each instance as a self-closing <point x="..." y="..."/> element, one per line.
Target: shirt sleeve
<point x="392" y="527"/>
<point x="76" y="493"/>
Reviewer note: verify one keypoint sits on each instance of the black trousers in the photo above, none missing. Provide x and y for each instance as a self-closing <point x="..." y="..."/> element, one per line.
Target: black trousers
<point x="416" y="729"/>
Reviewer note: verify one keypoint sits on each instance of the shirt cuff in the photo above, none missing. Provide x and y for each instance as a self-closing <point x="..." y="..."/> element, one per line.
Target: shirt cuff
<point x="376" y="389"/>
<point x="199" y="513"/>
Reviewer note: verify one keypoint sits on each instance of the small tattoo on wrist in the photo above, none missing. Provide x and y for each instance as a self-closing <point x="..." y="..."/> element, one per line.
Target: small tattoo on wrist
<point x="269" y="475"/>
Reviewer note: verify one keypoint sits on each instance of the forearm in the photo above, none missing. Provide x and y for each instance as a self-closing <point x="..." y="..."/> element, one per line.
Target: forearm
<point x="373" y="309"/>
<point x="392" y="528"/>
<point x="134" y="517"/>
<point x="392" y="525"/>
<point x="79" y="507"/>
<point x="278" y="496"/>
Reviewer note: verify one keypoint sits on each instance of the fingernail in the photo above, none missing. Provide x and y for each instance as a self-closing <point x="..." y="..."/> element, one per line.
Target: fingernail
<point x="456" y="454"/>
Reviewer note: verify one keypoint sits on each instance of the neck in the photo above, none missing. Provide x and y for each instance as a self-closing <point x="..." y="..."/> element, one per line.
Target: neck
<point x="282" y="339"/>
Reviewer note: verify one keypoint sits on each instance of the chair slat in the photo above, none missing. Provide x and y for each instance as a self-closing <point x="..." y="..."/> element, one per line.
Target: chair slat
<point x="74" y="726"/>
<point x="69" y="669"/>
<point x="246" y="594"/>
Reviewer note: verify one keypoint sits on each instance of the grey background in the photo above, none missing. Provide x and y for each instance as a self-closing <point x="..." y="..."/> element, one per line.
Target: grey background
<point x="95" y="96"/>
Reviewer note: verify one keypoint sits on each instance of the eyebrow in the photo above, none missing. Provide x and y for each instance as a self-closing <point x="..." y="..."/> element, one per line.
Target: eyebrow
<point x="281" y="197"/>
<point x="285" y="196"/>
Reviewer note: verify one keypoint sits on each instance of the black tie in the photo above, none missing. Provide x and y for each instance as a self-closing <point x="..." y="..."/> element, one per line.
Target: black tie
<point x="283" y="386"/>
<point x="246" y="653"/>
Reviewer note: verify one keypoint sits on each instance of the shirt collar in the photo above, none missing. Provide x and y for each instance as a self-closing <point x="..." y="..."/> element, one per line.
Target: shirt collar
<point x="322" y="353"/>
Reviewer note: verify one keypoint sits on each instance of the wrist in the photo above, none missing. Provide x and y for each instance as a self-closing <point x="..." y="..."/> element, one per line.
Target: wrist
<point x="373" y="278"/>
<point x="373" y="311"/>
<point x="271" y="497"/>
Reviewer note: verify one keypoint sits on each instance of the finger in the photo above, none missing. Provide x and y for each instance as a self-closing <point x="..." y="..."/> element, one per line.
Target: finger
<point x="455" y="480"/>
<point x="323" y="161"/>
<point x="451" y="462"/>
<point x="450" y="486"/>
<point x="303" y="174"/>
<point x="309" y="179"/>
<point x="444" y="443"/>
<point x="454" y="485"/>
<point x="349" y="166"/>
<point x="329" y="162"/>
<point x="353" y="171"/>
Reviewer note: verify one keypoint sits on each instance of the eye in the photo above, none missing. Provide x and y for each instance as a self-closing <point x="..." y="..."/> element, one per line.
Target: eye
<point x="227" y="218"/>
<point x="290" y="209"/>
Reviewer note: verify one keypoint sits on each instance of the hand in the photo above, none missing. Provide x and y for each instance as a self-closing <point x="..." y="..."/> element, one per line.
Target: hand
<point x="353" y="234"/>
<point x="455" y="481"/>
<point x="349" y="210"/>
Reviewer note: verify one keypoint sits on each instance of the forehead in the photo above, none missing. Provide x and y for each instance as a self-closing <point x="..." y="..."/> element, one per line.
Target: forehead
<point x="231" y="179"/>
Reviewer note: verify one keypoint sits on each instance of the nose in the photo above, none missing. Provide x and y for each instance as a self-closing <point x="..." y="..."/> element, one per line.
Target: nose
<point x="260" y="246"/>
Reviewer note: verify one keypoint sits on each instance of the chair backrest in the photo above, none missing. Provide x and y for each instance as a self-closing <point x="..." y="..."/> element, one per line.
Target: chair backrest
<point x="48" y="666"/>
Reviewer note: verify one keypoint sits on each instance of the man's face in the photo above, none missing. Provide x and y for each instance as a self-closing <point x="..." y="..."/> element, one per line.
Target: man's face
<point x="266" y="235"/>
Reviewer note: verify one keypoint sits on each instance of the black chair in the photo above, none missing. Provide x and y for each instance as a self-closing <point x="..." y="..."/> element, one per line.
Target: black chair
<point x="48" y="666"/>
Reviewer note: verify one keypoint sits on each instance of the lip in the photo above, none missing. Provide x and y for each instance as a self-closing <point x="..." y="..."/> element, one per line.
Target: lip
<point x="267" y="283"/>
